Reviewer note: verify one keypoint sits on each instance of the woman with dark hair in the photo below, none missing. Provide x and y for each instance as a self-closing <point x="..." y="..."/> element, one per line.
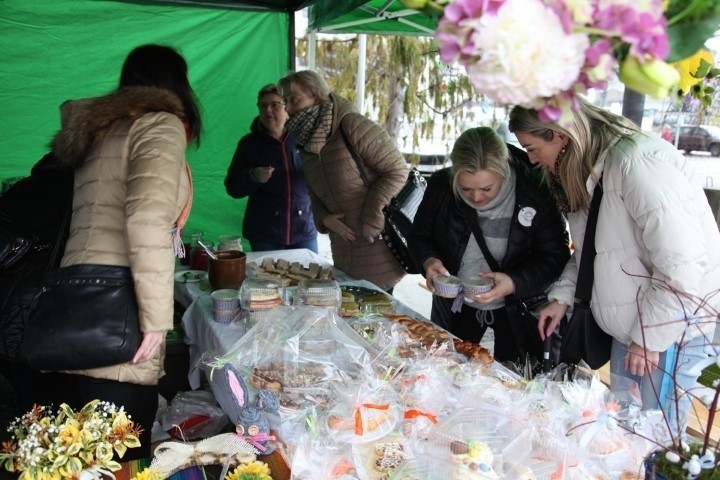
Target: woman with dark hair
<point x="489" y="191"/>
<point x="132" y="195"/>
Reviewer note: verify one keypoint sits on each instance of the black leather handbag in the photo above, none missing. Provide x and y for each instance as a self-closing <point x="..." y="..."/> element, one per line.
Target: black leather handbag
<point x="16" y="241"/>
<point x="399" y="217"/>
<point x="399" y="213"/>
<point x="582" y="337"/>
<point x="85" y="316"/>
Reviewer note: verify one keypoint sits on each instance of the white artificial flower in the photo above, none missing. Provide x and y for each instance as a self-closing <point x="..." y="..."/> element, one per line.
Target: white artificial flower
<point x="518" y="63"/>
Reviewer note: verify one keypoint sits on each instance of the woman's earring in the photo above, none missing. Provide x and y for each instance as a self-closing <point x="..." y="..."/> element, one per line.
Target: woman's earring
<point x="561" y="152"/>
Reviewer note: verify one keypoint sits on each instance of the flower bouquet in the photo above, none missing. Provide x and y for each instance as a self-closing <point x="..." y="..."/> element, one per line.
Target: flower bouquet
<point x="542" y="53"/>
<point x="69" y="444"/>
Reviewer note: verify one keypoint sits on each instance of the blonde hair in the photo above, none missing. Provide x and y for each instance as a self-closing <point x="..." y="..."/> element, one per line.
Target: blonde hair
<point x="590" y="131"/>
<point x="308" y="80"/>
<point x="478" y="149"/>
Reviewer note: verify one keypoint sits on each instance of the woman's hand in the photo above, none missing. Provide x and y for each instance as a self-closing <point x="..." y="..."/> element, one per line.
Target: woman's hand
<point x="149" y="347"/>
<point x="334" y="223"/>
<point x="640" y="361"/>
<point x="262" y="174"/>
<point x="371" y="233"/>
<point x="555" y="312"/>
<point x="433" y="267"/>
<point x="503" y="287"/>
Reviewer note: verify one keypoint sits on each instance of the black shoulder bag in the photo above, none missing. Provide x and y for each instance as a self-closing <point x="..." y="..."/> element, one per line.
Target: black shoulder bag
<point x="522" y="322"/>
<point x="399" y="213"/>
<point x="582" y="338"/>
<point x="85" y="316"/>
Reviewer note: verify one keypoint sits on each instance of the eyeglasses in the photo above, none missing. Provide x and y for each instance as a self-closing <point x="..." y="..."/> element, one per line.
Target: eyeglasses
<point x="272" y="105"/>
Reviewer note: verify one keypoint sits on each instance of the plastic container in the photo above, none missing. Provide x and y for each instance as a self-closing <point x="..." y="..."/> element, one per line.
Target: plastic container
<point x="318" y="293"/>
<point x="447" y="286"/>
<point x="261" y="294"/>
<point x="225" y="299"/>
<point x="476" y="286"/>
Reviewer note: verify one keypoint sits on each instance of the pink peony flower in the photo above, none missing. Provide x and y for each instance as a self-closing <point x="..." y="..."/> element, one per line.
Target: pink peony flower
<point x="512" y="67"/>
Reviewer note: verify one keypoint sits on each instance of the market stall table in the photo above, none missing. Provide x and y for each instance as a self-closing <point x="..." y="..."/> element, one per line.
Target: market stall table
<point x="203" y="334"/>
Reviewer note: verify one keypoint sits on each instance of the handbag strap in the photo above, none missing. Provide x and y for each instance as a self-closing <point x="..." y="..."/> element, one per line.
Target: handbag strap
<point x="355" y="156"/>
<point x="586" y="271"/>
<point x="480" y="238"/>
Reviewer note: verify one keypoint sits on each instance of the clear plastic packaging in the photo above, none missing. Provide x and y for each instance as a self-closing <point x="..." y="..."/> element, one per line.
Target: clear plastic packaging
<point x="318" y="293"/>
<point x="261" y="294"/>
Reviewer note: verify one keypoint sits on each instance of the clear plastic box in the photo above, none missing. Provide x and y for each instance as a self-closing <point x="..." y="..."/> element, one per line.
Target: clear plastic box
<point x="318" y="293"/>
<point x="259" y="294"/>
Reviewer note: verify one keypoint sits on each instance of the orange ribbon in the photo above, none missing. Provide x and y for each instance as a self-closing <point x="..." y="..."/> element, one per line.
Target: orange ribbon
<point x="358" y="415"/>
<point x="410" y="414"/>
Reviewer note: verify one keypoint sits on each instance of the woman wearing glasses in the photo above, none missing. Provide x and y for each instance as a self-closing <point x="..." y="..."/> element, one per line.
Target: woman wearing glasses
<point x="266" y="169"/>
<point x="334" y="138"/>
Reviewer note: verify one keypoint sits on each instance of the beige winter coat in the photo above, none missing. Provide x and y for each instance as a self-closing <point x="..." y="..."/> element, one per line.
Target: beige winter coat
<point x="130" y="187"/>
<point x="336" y="186"/>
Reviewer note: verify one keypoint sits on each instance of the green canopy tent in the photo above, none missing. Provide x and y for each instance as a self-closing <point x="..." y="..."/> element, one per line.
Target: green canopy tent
<point x="379" y="17"/>
<point x="55" y="50"/>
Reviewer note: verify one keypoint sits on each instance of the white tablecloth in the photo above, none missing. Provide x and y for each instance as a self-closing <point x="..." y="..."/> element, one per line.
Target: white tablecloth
<point x="203" y="333"/>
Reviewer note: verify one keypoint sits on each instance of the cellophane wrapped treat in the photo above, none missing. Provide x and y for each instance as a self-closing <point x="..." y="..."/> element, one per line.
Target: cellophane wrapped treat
<point x="429" y="395"/>
<point x="299" y="353"/>
<point x="364" y="411"/>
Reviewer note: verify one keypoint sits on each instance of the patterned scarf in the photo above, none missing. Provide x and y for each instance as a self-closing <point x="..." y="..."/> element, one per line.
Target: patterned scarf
<point x="558" y="193"/>
<point x="312" y="126"/>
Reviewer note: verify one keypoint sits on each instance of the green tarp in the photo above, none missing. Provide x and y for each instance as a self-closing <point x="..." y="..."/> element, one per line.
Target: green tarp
<point x="379" y="17"/>
<point x="54" y="50"/>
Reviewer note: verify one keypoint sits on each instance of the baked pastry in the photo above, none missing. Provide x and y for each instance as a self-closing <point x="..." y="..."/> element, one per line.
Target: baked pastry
<point x="385" y="448"/>
<point x="473" y="351"/>
<point x="389" y="461"/>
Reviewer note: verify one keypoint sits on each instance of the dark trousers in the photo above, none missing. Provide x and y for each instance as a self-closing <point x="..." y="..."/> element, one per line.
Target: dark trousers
<point x="469" y="324"/>
<point x="52" y="388"/>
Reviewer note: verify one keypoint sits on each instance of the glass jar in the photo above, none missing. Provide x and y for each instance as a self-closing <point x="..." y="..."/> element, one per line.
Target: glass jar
<point x="190" y="239"/>
<point x="199" y="257"/>
<point x="230" y="242"/>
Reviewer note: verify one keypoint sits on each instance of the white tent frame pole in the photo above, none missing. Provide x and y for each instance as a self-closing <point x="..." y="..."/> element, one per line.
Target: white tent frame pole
<point x="360" y="81"/>
<point x="312" y="46"/>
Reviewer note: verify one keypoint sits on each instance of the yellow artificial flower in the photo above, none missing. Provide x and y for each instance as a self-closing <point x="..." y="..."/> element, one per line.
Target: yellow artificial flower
<point x="250" y="471"/>
<point x="69" y="434"/>
<point x="688" y="68"/>
<point x="149" y="474"/>
<point x="653" y="77"/>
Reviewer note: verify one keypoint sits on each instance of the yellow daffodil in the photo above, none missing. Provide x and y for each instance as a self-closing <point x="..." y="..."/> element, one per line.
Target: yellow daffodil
<point x="653" y="77"/>
<point x="688" y="69"/>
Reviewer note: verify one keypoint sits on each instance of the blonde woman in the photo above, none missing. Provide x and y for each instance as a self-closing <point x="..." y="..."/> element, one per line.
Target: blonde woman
<point x="525" y="234"/>
<point x="657" y="244"/>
